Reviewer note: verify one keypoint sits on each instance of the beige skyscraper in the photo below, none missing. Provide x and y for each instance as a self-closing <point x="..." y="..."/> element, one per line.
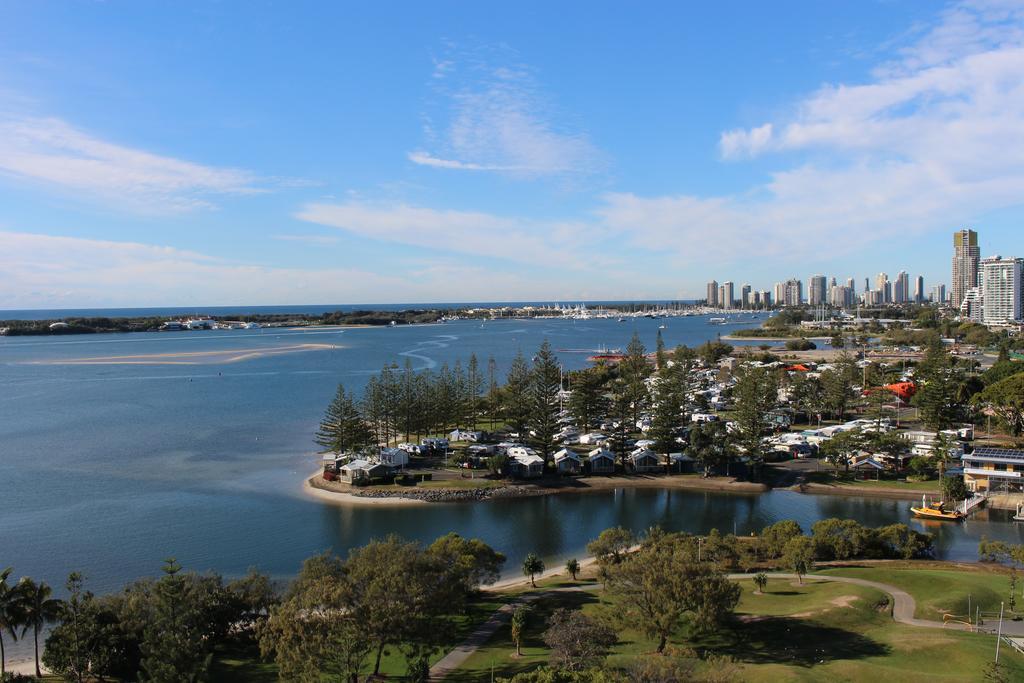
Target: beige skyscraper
<point x="966" y="255"/>
<point x="713" y="293"/>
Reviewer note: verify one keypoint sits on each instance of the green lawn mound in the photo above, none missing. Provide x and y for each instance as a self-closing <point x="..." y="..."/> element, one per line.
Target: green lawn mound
<point x="938" y="592"/>
<point x="818" y="631"/>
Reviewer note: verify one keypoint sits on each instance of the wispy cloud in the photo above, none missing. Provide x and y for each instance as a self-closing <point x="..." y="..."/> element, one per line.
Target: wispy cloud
<point x="45" y="271"/>
<point x="466" y="232"/>
<point x="55" y="153"/>
<point x="488" y="114"/>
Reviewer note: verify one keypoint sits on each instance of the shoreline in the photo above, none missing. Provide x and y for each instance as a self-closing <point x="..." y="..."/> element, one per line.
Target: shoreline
<point x="341" y="494"/>
<point x="859" y="491"/>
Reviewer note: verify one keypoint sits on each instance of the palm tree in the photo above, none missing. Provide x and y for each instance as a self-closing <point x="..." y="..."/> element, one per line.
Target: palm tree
<point x="11" y="613"/>
<point x="38" y="610"/>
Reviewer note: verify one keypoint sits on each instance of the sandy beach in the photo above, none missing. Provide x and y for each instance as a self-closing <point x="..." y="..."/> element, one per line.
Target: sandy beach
<point x="340" y="494"/>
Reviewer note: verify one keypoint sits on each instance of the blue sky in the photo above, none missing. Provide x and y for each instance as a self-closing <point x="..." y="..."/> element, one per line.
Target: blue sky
<point x="218" y="153"/>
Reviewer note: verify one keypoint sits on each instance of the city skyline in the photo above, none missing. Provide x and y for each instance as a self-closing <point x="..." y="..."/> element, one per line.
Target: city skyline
<point x="223" y="154"/>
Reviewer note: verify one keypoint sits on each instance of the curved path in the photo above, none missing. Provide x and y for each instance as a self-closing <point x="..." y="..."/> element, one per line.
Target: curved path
<point x="903" y="607"/>
<point x="903" y="604"/>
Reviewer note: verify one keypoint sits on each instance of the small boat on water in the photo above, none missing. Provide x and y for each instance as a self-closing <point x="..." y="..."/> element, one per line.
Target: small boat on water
<point x="1019" y="517"/>
<point x="717" y="321"/>
<point x="936" y="511"/>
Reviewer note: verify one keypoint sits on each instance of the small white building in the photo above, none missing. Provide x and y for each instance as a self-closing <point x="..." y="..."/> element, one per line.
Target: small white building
<point x="394" y="457"/>
<point x="568" y="462"/>
<point x="601" y="461"/>
<point x="593" y="438"/>
<point x="644" y="460"/>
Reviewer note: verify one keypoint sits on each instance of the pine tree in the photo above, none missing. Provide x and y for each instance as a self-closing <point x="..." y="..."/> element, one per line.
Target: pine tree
<point x="587" y="402"/>
<point x="516" y="408"/>
<point x="755" y="394"/>
<point x="343" y="428"/>
<point x="633" y="371"/>
<point x="545" y="385"/>
<point x="667" y="420"/>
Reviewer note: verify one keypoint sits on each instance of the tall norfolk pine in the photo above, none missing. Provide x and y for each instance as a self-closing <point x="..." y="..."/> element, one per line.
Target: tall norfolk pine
<point x="343" y="428"/>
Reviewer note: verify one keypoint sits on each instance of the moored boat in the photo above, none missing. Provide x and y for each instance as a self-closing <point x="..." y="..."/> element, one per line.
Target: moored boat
<point x="936" y="511"/>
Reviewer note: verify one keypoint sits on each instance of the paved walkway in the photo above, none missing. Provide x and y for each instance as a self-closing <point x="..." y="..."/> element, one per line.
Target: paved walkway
<point x="454" y="659"/>
<point x="903" y="608"/>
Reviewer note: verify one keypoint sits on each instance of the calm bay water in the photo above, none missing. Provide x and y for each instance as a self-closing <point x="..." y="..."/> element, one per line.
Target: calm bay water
<point x="108" y="469"/>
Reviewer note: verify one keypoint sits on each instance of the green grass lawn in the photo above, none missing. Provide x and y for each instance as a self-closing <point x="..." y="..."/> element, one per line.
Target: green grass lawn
<point x="831" y="479"/>
<point x="942" y="591"/>
<point x="820" y="631"/>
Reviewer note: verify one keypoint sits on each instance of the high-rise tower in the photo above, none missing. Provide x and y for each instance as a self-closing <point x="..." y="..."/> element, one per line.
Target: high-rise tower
<point x="966" y="255"/>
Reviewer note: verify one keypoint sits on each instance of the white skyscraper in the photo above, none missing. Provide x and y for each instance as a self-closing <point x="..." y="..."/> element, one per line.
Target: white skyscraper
<point x="729" y="295"/>
<point x="1001" y="289"/>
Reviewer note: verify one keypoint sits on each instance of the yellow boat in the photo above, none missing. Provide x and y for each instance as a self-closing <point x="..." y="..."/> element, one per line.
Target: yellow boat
<point x="936" y="511"/>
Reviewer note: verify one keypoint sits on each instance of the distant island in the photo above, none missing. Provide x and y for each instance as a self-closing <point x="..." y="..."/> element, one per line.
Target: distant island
<point x="367" y="317"/>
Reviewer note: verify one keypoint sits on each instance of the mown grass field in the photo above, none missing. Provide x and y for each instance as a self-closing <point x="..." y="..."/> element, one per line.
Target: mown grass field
<point x="943" y="591"/>
<point x="819" y="631"/>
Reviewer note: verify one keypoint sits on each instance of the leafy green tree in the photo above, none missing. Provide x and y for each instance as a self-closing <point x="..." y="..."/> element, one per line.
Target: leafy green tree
<point x="711" y="445"/>
<point x="954" y="489"/>
<point x="610" y="547"/>
<point x="39" y="609"/>
<point x="661" y="586"/>
<point x="841" y="447"/>
<point x="760" y="580"/>
<point x="75" y="648"/>
<point x="468" y="560"/>
<point x="545" y="385"/>
<point x="251" y="597"/>
<point x="799" y="556"/>
<point x="576" y="640"/>
<point x="837" y="385"/>
<point x="532" y="566"/>
<point x="713" y="351"/>
<point x="773" y="539"/>
<point x="902" y="542"/>
<point x="840" y="539"/>
<point x="314" y="632"/>
<point x="572" y="568"/>
<point x="399" y="595"/>
<point x="1005" y="398"/>
<point x="520" y="618"/>
<point x="343" y="428"/>
<point x="12" y="613"/>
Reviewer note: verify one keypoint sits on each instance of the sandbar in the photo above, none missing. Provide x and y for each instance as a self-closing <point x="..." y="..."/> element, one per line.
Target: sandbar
<point x="190" y="357"/>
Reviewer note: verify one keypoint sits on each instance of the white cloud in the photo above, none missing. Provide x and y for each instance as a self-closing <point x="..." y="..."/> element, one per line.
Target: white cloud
<point x="48" y="271"/>
<point x="493" y="118"/>
<point x="45" y="271"/>
<point x="55" y="153"/>
<point x="466" y="232"/>
<point x="930" y="139"/>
